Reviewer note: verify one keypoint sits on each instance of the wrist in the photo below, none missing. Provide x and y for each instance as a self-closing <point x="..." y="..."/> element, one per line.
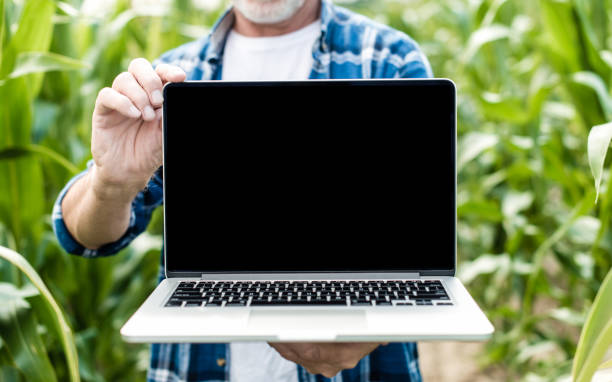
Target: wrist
<point x="113" y="191"/>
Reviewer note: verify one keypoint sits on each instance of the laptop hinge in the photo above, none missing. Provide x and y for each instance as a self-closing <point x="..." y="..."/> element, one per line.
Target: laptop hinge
<point x="408" y="275"/>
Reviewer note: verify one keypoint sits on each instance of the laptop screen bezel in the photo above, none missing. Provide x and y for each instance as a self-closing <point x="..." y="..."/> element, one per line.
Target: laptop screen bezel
<point x="448" y="90"/>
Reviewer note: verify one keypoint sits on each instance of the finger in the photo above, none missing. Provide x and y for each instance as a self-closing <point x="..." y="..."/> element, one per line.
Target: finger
<point x="170" y="73"/>
<point x="346" y="355"/>
<point x="327" y="370"/>
<point x="330" y="372"/>
<point x="126" y="84"/>
<point x="110" y="100"/>
<point x="308" y="352"/>
<point x="309" y="356"/>
<point x="148" y="79"/>
<point x="360" y="349"/>
<point x="285" y="351"/>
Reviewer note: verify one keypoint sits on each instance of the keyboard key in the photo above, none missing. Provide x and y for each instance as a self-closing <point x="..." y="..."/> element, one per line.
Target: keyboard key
<point x="213" y="303"/>
<point x="325" y="302"/>
<point x="259" y="302"/>
<point x="383" y="303"/>
<point x="174" y="303"/>
<point x="360" y="303"/>
<point x="185" y="297"/>
<point x="235" y="304"/>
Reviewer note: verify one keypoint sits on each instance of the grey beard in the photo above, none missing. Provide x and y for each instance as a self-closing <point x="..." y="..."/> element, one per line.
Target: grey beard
<point x="268" y="11"/>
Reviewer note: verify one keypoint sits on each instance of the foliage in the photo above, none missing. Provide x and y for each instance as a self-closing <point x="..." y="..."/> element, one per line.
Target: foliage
<point x="55" y="56"/>
<point x="34" y="364"/>
<point x="596" y="336"/>
<point x="532" y="78"/>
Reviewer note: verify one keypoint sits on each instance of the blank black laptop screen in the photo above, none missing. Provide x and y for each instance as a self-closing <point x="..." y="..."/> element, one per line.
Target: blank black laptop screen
<point x="309" y="176"/>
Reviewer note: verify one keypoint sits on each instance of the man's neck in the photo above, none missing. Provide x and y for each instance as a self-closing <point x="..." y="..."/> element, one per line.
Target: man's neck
<point x="306" y="15"/>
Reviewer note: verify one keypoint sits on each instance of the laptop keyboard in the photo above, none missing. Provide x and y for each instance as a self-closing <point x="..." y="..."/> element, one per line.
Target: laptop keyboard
<point x="309" y="293"/>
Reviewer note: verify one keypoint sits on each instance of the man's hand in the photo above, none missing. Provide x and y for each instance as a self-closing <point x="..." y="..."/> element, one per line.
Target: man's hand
<point x="126" y="144"/>
<point x="126" y="141"/>
<point x="327" y="359"/>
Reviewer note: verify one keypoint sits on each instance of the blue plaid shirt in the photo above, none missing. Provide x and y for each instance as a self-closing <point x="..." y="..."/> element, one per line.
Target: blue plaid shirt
<point x="350" y="46"/>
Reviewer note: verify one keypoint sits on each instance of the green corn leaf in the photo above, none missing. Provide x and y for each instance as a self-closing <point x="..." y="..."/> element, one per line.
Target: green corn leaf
<point x="597" y="147"/>
<point x="484" y="36"/>
<point x="61" y="325"/>
<point x="606" y="56"/>
<point x="15" y="152"/>
<point x="35" y="26"/>
<point x="492" y="12"/>
<point x="511" y="109"/>
<point x="39" y="62"/>
<point x="9" y="374"/>
<point x="586" y="102"/>
<point x="68" y="9"/>
<point x="588" y="37"/>
<point x="598" y="86"/>
<point x="563" y="38"/>
<point x="26" y="348"/>
<point x="33" y="35"/>
<point x="1" y="31"/>
<point x="606" y="364"/>
<point x="596" y="334"/>
<point x="22" y="201"/>
<point x="472" y="145"/>
<point x="9" y="291"/>
<point x="538" y="257"/>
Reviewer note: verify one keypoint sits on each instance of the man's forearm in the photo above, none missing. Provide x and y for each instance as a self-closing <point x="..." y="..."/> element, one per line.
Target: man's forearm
<point x="96" y="215"/>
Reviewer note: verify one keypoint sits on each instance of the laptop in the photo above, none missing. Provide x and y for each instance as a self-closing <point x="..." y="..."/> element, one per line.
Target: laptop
<point x="315" y="211"/>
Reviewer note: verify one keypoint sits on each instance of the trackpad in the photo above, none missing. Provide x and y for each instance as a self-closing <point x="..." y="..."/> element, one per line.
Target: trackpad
<point x="333" y="322"/>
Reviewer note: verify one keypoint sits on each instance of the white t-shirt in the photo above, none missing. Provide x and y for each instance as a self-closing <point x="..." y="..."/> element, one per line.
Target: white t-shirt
<point x="259" y="362"/>
<point x="278" y="58"/>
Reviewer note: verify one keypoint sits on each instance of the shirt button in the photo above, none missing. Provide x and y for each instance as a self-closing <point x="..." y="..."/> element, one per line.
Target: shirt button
<point x="221" y="362"/>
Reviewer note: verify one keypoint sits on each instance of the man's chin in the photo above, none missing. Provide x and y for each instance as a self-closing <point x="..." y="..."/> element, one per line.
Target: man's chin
<point x="268" y="11"/>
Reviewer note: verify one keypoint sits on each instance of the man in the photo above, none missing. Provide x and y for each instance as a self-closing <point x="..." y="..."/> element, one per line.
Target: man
<point x="104" y="208"/>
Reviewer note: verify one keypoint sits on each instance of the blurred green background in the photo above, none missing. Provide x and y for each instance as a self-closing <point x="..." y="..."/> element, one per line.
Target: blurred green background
<point x="533" y="77"/>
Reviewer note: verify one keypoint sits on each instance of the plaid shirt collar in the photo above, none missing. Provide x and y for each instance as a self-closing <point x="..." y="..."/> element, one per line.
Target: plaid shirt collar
<point x="213" y="51"/>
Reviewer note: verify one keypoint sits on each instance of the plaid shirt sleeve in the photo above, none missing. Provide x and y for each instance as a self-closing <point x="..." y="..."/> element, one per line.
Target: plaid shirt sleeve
<point x="142" y="208"/>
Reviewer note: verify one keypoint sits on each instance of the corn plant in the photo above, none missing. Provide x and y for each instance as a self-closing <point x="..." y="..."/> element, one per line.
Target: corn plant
<point x="532" y="78"/>
<point x="54" y="57"/>
<point x="596" y="336"/>
<point x="24" y="345"/>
